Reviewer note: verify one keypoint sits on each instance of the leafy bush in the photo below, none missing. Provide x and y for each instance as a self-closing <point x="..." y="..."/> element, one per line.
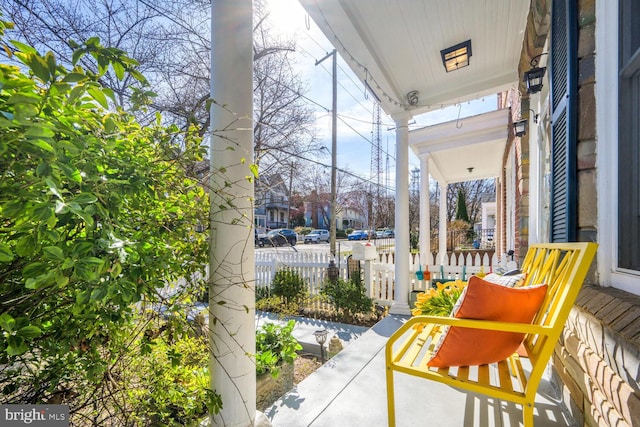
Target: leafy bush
<point x="262" y="292"/>
<point x="276" y="304"/>
<point x="275" y="345"/>
<point x="289" y="285"/>
<point x="98" y="212"/>
<point x="348" y="297"/>
<point x="303" y="230"/>
<point x="170" y="384"/>
<point x="414" y="240"/>
<point x="341" y="234"/>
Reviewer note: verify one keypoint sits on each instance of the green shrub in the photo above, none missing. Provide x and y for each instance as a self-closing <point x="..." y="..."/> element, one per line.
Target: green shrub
<point x="262" y="292"/>
<point x="98" y="214"/>
<point x="414" y="239"/>
<point x="275" y="345"/>
<point x="348" y="297"/>
<point x="169" y="385"/>
<point x="276" y="304"/>
<point x="289" y="285"/>
<point x="304" y="230"/>
<point x="341" y="234"/>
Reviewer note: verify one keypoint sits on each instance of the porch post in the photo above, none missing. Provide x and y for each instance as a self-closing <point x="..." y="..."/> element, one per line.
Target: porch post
<point x="401" y="290"/>
<point x="425" y="212"/>
<point x="442" y="232"/>
<point x="232" y="331"/>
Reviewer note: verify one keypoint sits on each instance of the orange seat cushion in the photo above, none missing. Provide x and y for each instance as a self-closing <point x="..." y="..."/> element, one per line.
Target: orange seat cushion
<point x="487" y="301"/>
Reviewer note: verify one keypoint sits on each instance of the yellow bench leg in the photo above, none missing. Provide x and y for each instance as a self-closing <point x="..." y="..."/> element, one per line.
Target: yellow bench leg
<point x="527" y="415"/>
<point x="391" y="399"/>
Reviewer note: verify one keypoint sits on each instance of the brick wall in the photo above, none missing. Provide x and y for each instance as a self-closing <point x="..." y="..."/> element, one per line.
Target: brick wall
<point x="597" y="361"/>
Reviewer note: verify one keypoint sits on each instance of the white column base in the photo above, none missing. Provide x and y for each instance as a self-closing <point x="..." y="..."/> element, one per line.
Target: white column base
<point x="400" y="308"/>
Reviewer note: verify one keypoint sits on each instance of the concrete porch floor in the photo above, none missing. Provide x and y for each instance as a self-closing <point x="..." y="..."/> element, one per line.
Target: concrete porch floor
<point x="350" y="390"/>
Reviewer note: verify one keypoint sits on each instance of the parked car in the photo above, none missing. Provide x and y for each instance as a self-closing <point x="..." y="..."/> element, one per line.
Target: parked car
<point x="279" y="237"/>
<point x="358" y="235"/>
<point x="317" y="236"/>
<point x="388" y="234"/>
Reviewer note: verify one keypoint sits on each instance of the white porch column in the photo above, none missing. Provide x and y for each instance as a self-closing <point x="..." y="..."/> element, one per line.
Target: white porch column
<point x="425" y="213"/>
<point x="442" y="232"/>
<point x="401" y="292"/>
<point x="232" y="331"/>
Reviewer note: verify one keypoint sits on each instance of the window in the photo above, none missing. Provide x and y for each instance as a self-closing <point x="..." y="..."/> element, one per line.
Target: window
<point x="629" y="136"/>
<point x="617" y="105"/>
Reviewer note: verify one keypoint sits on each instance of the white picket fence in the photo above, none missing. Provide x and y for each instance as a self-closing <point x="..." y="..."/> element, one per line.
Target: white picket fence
<point x="312" y="267"/>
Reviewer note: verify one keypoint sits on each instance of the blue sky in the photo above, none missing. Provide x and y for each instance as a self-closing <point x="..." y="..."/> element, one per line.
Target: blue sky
<point x="355" y="107"/>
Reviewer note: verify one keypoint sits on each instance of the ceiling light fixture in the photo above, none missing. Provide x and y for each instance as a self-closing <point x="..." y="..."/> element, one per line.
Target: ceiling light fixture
<point x="457" y="56"/>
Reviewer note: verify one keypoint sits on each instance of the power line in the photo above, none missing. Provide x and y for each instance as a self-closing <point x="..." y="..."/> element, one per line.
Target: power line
<point x="325" y="108"/>
<point x="341" y="85"/>
<point x="344" y="171"/>
<point x="359" y="134"/>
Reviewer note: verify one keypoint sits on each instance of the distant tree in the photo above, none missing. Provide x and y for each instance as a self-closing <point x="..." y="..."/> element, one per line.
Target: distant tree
<point x="475" y="193"/>
<point x="171" y="42"/>
<point x="461" y="212"/>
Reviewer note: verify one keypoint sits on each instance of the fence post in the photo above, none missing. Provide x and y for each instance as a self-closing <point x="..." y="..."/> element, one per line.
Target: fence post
<point x="368" y="277"/>
<point x="274" y="268"/>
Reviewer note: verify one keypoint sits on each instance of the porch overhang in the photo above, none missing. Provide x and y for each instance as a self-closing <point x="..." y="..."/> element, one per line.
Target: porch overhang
<point x="394" y="46"/>
<point x="462" y="150"/>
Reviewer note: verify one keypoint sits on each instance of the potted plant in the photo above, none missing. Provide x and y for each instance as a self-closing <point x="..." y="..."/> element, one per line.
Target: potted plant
<point x="276" y="350"/>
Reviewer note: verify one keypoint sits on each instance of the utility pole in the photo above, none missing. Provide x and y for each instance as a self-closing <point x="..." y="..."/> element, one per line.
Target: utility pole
<point x="289" y="198"/>
<point x="334" y="146"/>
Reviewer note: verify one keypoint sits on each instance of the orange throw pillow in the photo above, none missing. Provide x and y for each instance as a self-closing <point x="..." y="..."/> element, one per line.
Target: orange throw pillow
<point x="487" y="301"/>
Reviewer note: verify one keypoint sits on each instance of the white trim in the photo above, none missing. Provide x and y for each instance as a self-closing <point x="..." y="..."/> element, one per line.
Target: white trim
<point x="606" y="92"/>
<point x="510" y="185"/>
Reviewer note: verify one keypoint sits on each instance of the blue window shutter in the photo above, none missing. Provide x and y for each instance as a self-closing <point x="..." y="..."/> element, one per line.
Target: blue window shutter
<point x="563" y="71"/>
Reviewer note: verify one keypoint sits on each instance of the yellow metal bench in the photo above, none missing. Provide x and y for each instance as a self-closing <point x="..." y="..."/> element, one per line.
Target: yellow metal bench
<point x="563" y="267"/>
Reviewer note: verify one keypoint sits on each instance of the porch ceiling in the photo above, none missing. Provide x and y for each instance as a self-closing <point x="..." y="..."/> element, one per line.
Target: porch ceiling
<point x="453" y="147"/>
<point x="394" y="46"/>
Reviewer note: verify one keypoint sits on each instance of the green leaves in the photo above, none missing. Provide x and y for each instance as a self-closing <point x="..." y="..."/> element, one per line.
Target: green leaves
<point x="18" y="333"/>
<point x="5" y="253"/>
<point x="53" y="253"/>
<point x="97" y="211"/>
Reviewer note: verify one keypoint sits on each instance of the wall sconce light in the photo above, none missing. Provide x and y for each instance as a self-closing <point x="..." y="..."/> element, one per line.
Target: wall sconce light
<point x="457" y="56"/>
<point x="520" y="126"/>
<point x="413" y="97"/>
<point x="534" y="76"/>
